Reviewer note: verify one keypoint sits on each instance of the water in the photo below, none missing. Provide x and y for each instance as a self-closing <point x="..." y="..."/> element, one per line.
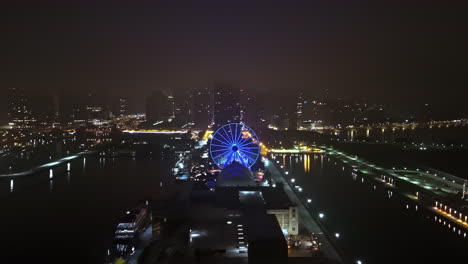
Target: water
<point x="71" y="218"/>
<point x="455" y="135"/>
<point x="452" y="161"/>
<point x="375" y="225"/>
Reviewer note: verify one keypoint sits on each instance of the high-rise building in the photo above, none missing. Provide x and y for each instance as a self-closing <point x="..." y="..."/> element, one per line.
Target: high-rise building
<point x="44" y="110"/>
<point x="203" y="107"/>
<point x="97" y="113"/>
<point x="169" y="109"/>
<point x="183" y="108"/>
<point x="19" y="109"/>
<point x="299" y="111"/>
<point x="253" y="109"/>
<point x="159" y="108"/>
<point x="156" y="107"/>
<point x="80" y="116"/>
<point x="122" y="106"/>
<point x="226" y="104"/>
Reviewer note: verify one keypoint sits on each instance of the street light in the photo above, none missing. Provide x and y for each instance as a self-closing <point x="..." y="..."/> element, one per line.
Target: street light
<point x="337" y="235"/>
<point x="309" y="200"/>
<point x="358" y="262"/>
<point x="293" y="180"/>
<point x="321" y="215"/>
<point x="286" y="172"/>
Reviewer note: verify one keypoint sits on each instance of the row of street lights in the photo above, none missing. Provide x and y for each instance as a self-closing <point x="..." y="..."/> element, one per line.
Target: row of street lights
<point x="309" y="201"/>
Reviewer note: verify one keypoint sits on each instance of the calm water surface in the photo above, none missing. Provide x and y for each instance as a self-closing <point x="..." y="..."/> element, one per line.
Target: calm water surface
<point x="71" y="218"/>
<point x="375" y="225"/>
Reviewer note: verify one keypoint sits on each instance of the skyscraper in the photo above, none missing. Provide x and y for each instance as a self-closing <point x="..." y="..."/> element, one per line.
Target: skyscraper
<point x="169" y="109"/>
<point x="155" y="107"/>
<point x="203" y="107"/>
<point x="122" y="106"/>
<point x="226" y="104"/>
<point x="183" y="108"/>
<point x="253" y="109"/>
<point x="299" y="111"/>
<point x="19" y="109"/>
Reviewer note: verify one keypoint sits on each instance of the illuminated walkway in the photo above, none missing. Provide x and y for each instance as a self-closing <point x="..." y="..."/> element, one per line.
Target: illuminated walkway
<point x="304" y="214"/>
<point x="424" y="179"/>
<point x="441" y="185"/>
<point x="46" y="166"/>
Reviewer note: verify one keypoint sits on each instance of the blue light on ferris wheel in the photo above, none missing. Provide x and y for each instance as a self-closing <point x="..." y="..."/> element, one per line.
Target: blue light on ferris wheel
<point x="234" y="142"/>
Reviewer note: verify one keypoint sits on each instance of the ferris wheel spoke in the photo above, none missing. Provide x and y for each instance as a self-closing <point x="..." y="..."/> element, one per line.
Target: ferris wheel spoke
<point x="227" y="135"/>
<point x="241" y="159"/>
<point x="246" y="151"/>
<point x="218" y="150"/>
<point x="226" y="140"/>
<point x="246" y="143"/>
<point x="239" y="135"/>
<point x="234" y="135"/>
<point x="228" y="159"/>
<point x="230" y="134"/>
<point x="221" y="141"/>
<point x="257" y="147"/>
<point x="221" y="146"/>
<point x="250" y="160"/>
<point x="219" y="155"/>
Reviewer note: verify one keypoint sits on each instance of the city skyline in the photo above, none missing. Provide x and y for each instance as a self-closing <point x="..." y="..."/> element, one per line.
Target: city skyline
<point x="386" y="52"/>
<point x="221" y="103"/>
<point x="279" y="132"/>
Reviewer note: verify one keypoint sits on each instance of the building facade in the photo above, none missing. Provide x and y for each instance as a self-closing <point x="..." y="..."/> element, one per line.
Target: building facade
<point x="19" y="109"/>
<point x="226" y="104"/>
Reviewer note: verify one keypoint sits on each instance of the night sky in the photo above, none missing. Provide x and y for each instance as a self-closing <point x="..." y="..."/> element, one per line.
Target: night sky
<point x="381" y="50"/>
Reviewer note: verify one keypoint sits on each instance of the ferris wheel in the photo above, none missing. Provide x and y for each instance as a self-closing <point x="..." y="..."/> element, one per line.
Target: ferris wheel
<point x="234" y="142"/>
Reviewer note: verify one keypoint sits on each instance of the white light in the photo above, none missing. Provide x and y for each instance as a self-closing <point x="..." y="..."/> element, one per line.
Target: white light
<point x="359" y="262"/>
<point x="337" y="235"/>
<point x="286" y="172"/>
<point x="293" y="180"/>
<point x="51" y="173"/>
<point x="229" y="222"/>
<point x="321" y="215"/>
<point x="309" y="200"/>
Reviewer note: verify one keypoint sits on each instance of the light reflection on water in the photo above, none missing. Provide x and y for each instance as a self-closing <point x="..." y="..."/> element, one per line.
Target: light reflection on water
<point x="417" y="134"/>
<point x="371" y="217"/>
<point x="72" y="216"/>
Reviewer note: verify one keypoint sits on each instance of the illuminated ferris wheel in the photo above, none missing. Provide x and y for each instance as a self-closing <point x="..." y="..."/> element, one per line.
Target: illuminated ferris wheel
<point x="234" y="142"/>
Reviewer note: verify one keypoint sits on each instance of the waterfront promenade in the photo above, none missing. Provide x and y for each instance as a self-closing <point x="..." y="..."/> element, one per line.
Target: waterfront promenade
<point x="305" y="215"/>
